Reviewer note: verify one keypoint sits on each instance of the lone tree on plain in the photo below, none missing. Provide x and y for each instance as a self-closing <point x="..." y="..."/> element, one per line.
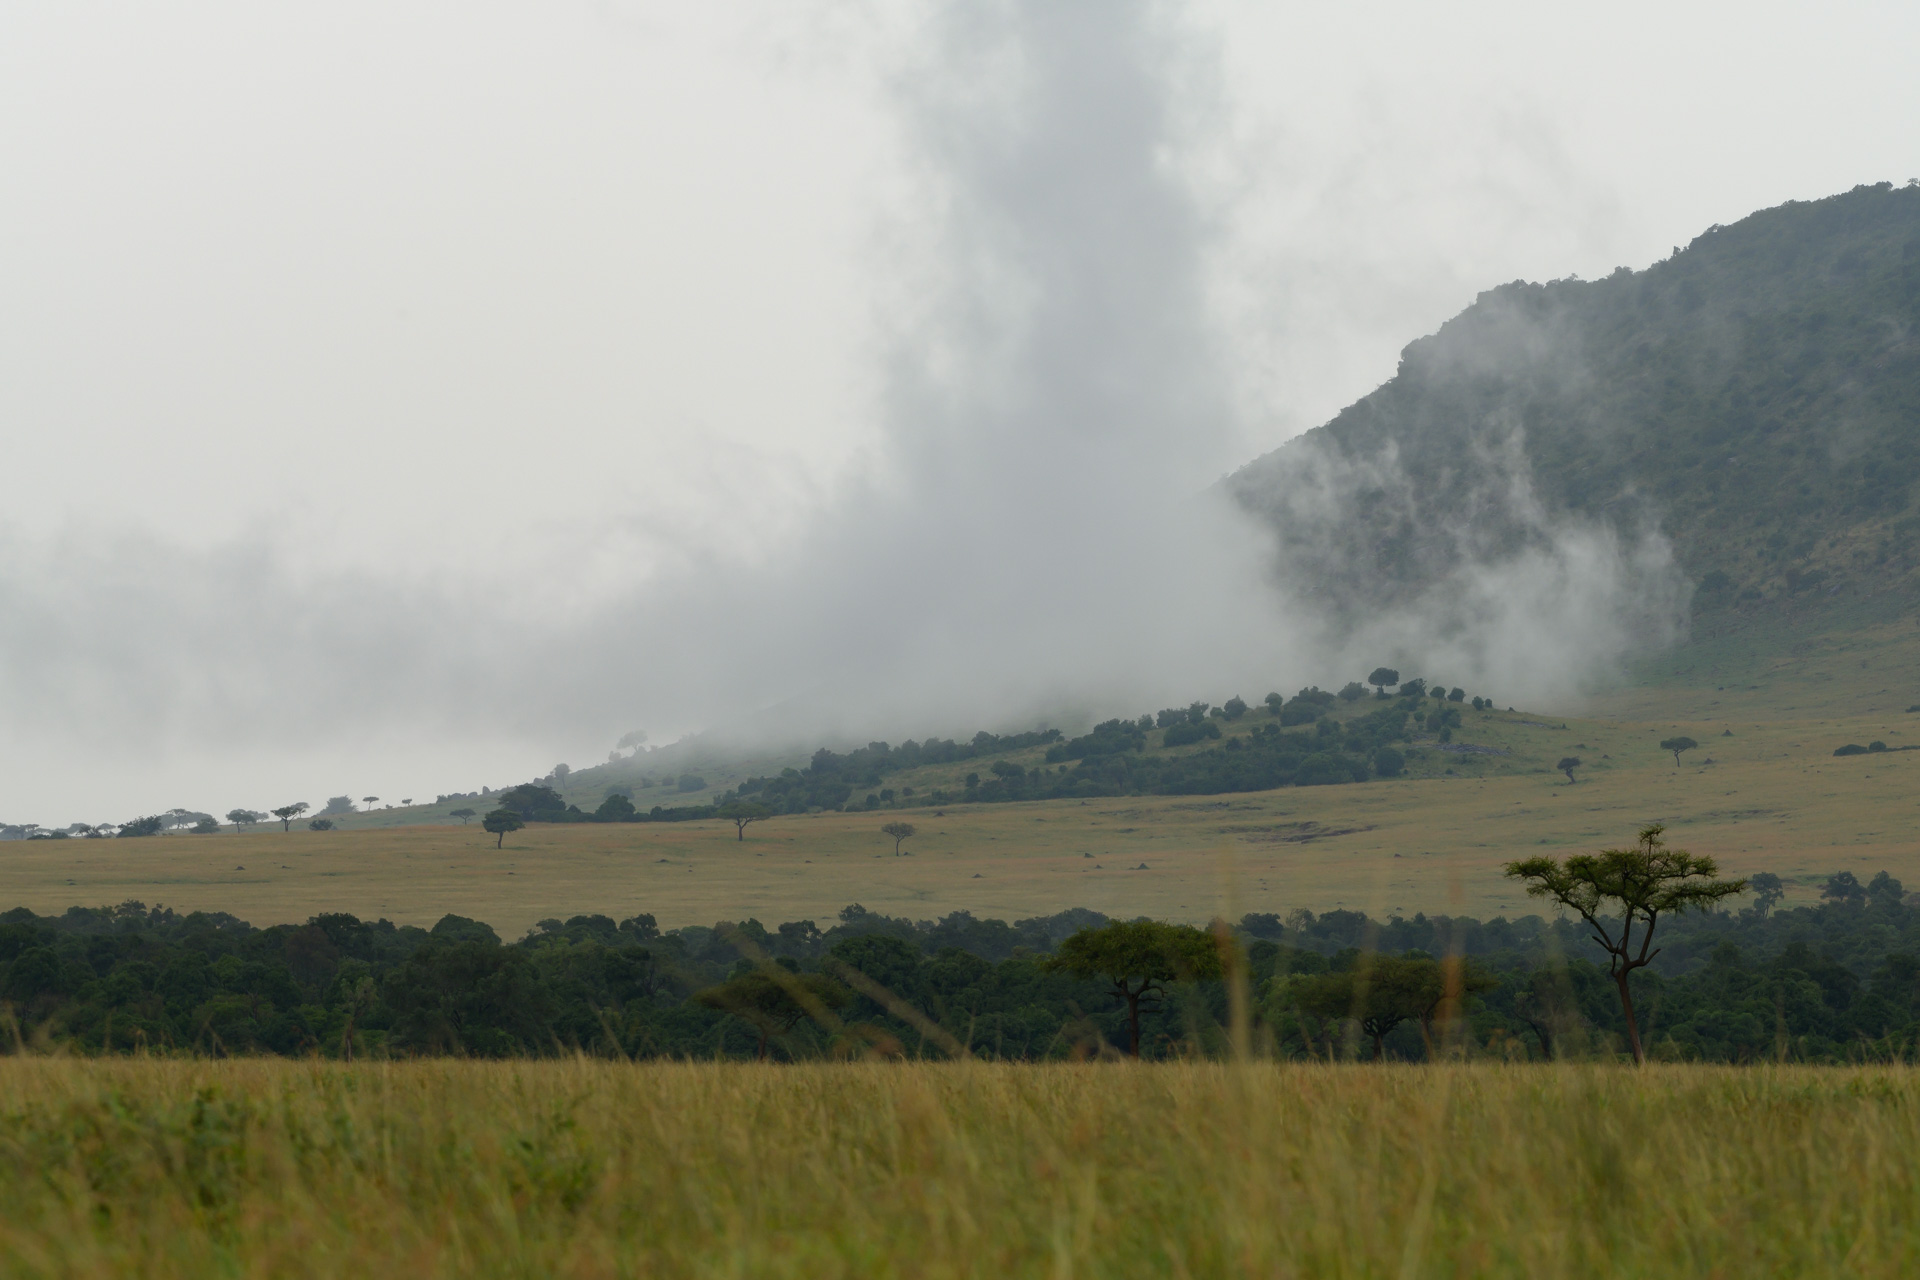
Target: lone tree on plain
<point x="465" y="815"/>
<point x="501" y="821"/>
<point x="288" y="812"/>
<point x="1677" y="745"/>
<point x="1567" y="765"/>
<point x="741" y="813"/>
<point x="899" y="831"/>
<point x="369" y="801"/>
<point x="1140" y="958"/>
<point x="774" y="1000"/>
<point x="1642" y="883"/>
<point x="1381" y="678"/>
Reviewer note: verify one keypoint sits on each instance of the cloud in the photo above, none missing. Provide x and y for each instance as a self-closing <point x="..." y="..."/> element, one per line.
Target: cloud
<point x="1032" y="533"/>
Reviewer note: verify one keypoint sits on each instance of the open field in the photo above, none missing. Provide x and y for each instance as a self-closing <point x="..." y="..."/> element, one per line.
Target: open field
<point x="1774" y="799"/>
<point x="1762" y="793"/>
<point x="581" y="1168"/>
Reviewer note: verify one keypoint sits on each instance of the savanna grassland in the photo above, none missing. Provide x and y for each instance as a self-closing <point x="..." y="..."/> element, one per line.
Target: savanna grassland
<point x="1770" y="797"/>
<point x="592" y="1168"/>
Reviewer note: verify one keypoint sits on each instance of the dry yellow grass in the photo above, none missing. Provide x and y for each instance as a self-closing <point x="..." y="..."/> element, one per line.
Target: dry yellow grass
<point x="176" y="1168"/>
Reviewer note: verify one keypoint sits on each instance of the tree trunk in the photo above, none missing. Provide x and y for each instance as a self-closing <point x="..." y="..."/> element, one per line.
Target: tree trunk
<point x="501" y="843"/>
<point x="740" y="832"/>
<point x="762" y="1055"/>
<point x="1633" y="1028"/>
<point x="1379" y="1046"/>
<point x="1133" y="1024"/>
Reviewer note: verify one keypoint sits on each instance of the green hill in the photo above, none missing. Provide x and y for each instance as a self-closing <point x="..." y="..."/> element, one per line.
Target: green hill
<point x="1755" y="398"/>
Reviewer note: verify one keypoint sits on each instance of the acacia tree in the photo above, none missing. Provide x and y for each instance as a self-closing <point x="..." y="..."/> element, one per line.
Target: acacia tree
<point x="1677" y="745"/>
<point x="369" y="801"/>
<point x="1567" y="765"/>
<point x="243" y="818"/>
<point x="501" y="821"/>
<point x="1642" y="884"/>
<point x="1140" y="958"/>
<point x="899" y="831"/>
<point x="1380" y="992"/>
<point x="288" y="812"/>
<point x="743" y="813"/>
<point x="465" y="815"/>
<point x="773" y="1000"/>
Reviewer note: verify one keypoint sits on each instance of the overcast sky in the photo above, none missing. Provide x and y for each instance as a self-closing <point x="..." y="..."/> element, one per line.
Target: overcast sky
<point x="404" y="396"/>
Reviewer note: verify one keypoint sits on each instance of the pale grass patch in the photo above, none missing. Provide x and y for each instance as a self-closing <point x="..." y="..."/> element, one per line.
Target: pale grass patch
<point x="583" y="1168"/>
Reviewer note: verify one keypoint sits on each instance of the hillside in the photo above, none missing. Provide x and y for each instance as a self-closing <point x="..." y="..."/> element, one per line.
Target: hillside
<point x="1755" y="398"/>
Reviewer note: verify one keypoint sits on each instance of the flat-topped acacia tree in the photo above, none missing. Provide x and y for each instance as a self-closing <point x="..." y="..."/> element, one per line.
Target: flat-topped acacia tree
<point x="288" y="812"/>
<point x="1677" y="745"/>
<point x="742" y="814"/>
<point x="1641" y="884"/>
<point x="500" y="822"/>
<point x="1141" y="958"/>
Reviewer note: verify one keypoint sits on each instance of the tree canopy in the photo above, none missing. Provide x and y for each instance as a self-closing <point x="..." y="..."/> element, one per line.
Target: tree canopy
<point x="773" y="999"/>
<point x="500" y="822"/>
<point x="1677" y="745"/>
<point x="1140" y="959"/>
<point x="1641" y="884"/>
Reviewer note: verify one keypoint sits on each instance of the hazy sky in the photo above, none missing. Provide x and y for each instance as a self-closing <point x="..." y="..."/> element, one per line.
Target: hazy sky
<point x="404" y="396"/>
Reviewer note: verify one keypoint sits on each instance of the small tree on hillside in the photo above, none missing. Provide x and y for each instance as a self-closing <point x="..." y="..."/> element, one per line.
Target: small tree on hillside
<point x="1140" y="958"/>
<point x="1235" y="707"/>
<point x="742" y="813"/>
<point x="465" y="815"/>
<point x="1274" y="702"/>
<point x="288" y="812"/>
<point x="501" y="821"/>
<point x="369" y="801"/>
<point x="899" y="831"/>
<point x="1643" y="883"/>
<point x="1677" y="745"/>
<point x="1381" y="678"/>
<point x="243" y="818"/>
<point x="1567" y="765"/>
<point x="320" y="824"/>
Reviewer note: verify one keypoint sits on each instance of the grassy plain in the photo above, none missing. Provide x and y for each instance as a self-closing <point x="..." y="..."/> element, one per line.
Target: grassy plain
<point x="1773" y="799"/>
<point x="1762" y="793"/>
<point x="255" y="1168"/>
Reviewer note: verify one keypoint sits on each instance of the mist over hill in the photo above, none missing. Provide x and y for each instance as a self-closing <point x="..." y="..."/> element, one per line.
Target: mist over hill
<point x="1728" y="435"/>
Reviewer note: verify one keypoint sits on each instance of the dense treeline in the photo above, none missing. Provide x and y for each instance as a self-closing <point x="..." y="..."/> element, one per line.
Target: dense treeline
<point x="1836" y="981"/>
<point x="1114" y="758"/>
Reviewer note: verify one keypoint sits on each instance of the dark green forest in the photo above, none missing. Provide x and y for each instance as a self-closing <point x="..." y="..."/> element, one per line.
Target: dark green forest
<point x="1839" y="981"/>
<point x="1753" y="396"/>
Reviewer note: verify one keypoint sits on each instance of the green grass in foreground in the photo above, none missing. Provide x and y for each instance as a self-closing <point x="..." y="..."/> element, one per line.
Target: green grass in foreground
<point x="182" y="1168"/>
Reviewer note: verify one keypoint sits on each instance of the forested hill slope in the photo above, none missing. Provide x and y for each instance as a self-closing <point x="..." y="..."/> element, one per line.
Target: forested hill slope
<point x="1755" y="398"/>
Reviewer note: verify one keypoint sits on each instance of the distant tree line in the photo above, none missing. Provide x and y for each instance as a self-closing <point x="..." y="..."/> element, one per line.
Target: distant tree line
<point x="1837" y="981"/>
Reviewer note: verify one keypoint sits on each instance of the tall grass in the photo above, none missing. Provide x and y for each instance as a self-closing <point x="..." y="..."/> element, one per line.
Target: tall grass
<point x="196" y="1168"/>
